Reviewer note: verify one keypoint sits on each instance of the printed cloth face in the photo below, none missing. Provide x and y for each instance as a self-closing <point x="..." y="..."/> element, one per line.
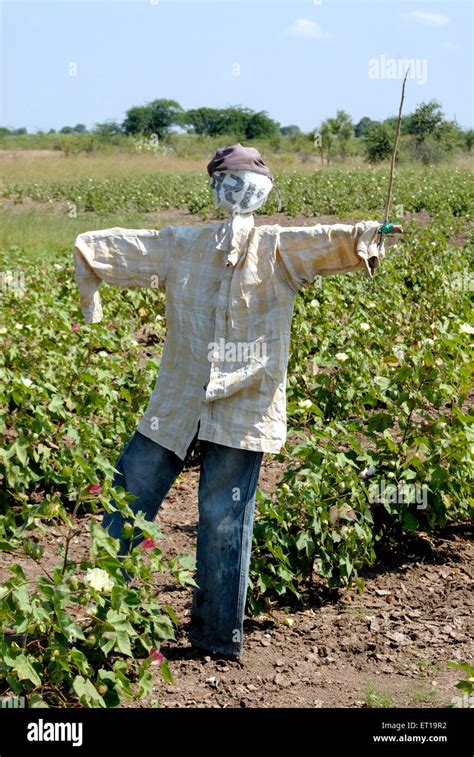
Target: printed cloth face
<point x="240" y="192"/>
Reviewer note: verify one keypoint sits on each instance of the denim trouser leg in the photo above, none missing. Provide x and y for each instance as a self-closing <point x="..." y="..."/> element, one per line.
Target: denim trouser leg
<point x="147" y="470"/>
<point x="227" y="489"/>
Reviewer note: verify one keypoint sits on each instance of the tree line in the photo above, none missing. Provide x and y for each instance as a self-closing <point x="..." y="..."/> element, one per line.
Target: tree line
<point x="429" y="136"/>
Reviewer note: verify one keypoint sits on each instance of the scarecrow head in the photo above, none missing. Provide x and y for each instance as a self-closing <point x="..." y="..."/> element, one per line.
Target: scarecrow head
<point x="240" y="179"/>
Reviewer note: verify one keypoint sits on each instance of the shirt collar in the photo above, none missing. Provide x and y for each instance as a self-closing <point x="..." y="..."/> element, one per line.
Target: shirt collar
<point x="232" y="233"/>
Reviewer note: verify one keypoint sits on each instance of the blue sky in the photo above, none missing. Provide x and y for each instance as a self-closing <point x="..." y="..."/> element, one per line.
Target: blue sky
<point x="70" y="61"/>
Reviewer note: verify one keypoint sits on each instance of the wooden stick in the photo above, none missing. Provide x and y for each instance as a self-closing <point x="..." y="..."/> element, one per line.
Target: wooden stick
<point x="394" y="153"/>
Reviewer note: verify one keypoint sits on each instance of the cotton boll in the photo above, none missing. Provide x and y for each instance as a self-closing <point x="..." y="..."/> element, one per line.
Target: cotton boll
<point x="367" y="472"/>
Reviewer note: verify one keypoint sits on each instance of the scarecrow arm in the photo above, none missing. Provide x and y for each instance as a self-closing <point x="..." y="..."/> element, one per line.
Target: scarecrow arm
<point x="304" y="252"/>
<point x="122" y="258"/>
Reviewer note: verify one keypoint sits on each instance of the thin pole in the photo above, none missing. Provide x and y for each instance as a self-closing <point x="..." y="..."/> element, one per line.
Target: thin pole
<point x="394" y="153"/>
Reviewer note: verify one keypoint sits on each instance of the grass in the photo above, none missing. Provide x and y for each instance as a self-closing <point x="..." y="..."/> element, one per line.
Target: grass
<point x="426" y="666"/>
<point x="49" y="229"/>
<point x="53" y="165"/>
<point x="424" y="696"/>
<point x="373" y="698"/>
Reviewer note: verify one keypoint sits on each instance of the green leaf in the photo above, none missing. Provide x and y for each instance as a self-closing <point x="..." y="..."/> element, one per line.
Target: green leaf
<point x="172" y="615"/>
<point x="37" y="701"/>
<point x="87" y="693"/>
<point x="23" y="667"/>
<point x="410" y="522"/>
<point x="187" y="561"/>
<point x="383" y="382"/>
<point x="145" y="681"/>
<point x="166" y="672"/>
<point x="380" y="422"/>
<point x="22" y="598"/>
<point x="123" y="643"/>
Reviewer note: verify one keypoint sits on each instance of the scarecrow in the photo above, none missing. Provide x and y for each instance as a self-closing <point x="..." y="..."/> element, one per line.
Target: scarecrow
<point x="230" y="291"/>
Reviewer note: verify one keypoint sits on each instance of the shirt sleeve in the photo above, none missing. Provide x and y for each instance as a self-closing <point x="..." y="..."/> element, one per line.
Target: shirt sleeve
<point x="122" y="258"/>
<point x="304" y="252"/>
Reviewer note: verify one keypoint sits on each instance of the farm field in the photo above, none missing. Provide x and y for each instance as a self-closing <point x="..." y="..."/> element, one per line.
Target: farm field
<point x="361" y="572"/>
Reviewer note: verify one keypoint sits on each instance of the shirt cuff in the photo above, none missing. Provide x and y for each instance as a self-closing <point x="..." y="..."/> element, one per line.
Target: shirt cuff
<point x="368" y="248"/>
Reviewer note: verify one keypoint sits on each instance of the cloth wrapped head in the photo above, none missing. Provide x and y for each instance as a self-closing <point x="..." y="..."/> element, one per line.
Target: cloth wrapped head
<point x="240" y="192"/>
<point x="240" y="179"/>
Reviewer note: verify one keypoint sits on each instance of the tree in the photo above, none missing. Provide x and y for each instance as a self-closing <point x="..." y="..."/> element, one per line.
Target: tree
<point x="66" y="130"/>
<point x="338" y="130"/>
<point x="450" y="136"/>
<point x="379" y="143"/>
<point x="325" y="141"/>
<point x="154" y="118"/>
<point x="261" y="126"/>
<point x="232" y="121"/>
<point x="79" y="129"/>
<point x="365" y="126"/>
<point x="163" y="114"/>
<point x="426" y="121"/>
<point x="202" y="120"/>
<point x="108" y="129"/>
<point x="137" y="120"/>
<point x="469" y="139"/>
<point x="392" y="122"/>
<point x="291" y="131"/>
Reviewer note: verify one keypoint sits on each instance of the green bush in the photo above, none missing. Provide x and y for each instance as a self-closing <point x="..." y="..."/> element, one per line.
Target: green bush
<point x="334" y="191"/>
<point x="80" y="635"/>
<point x="379" y="380"/>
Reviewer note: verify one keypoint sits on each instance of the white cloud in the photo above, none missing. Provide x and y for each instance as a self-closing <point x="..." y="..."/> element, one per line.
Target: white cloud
<point x="426" y="19"/>
<point x="303" y="27"/>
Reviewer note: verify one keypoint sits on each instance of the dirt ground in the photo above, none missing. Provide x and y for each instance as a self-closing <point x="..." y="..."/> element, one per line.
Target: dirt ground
<point x="387" y="646"/>
<point x="339" y="648"/>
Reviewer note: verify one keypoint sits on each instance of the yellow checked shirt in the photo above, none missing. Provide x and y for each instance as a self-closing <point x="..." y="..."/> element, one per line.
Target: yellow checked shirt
<point x="230" y="292"/>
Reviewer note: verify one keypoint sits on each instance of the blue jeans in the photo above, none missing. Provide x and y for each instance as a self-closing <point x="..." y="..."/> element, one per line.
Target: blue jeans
<point x="227" y="488"/>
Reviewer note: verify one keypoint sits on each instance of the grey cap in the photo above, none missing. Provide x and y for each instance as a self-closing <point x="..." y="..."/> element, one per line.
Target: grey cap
<point x="238" y="158"/>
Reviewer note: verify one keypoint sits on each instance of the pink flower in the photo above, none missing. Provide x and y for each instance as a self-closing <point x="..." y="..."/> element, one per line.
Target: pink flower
<point x="148" y="543"/>
<point x="75" y="327"/>
<point x="93" y="488"/>
<point x="156" y="657"/>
